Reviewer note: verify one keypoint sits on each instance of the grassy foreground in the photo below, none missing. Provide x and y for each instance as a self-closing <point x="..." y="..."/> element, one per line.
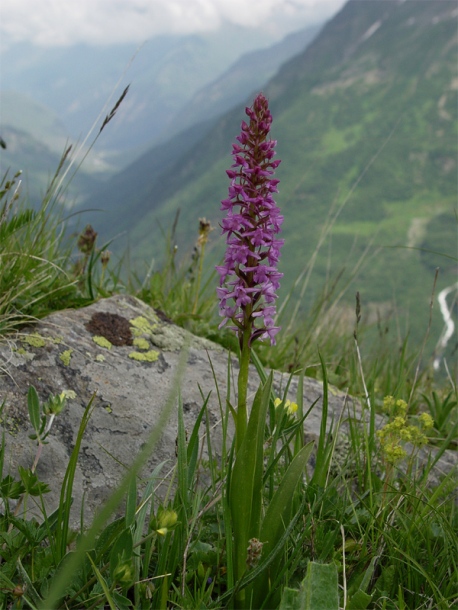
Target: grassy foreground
<point x="368" y="529"/>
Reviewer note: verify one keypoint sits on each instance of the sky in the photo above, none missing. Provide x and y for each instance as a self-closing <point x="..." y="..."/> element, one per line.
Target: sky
<point x="55" y="23"/>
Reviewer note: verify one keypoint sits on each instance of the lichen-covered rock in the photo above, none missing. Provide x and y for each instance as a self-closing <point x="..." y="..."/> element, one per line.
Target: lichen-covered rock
<point x="124" y="355"/>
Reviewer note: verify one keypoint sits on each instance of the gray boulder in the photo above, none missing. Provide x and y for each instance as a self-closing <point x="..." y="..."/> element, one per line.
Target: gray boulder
<point x="123" y="355"/>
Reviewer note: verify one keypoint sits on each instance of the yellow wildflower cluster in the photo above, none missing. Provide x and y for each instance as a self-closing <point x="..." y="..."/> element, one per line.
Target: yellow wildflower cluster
<point x="426" y="421"/>
<point x="394" y="407"/>
<point x="291" y="407"/>
<point x="398" y="431"/>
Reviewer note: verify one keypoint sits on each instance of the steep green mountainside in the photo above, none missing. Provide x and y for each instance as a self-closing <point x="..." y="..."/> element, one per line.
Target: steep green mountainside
<point x="366" y="122"/>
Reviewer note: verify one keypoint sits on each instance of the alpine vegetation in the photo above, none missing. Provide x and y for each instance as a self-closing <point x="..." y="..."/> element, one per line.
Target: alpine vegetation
<point x="359" y="517"/>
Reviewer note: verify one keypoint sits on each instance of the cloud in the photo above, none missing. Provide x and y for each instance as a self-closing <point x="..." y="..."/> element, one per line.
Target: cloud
<point x="66" y="22"/>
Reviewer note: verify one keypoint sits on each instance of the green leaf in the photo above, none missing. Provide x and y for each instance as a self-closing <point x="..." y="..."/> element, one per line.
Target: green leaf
<point x="131" y="502"/>
<point x="319" y="590"/>
<point x="122" y="550"/>
<point x="277" y="519"/>
<point x="359" y="601"/>
<point x="245" y="491"/>
<point x="67" y="486"/>
<point x="182" y="457"/>
<point x="33" y="403"/>
<point x="278" y="513"/>
<point x="108" y="535"/>
<point x="121" y="601"/>
<point x="103" y="584"/>
<point x="321" y="587"/>
<point x="325" y="448"/>
<point x="31" y="591"/>
<point x="193" y="445"/>
<point x="290" y="600"/>
<point x="31" y="483"/>
<point x="9" y="488"/>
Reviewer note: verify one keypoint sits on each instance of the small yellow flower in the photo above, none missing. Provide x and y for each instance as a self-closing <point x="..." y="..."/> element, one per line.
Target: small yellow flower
<point x="168" y="518"/>
<point x="417" y="436"/>
<point x="397" y="431"/>
<point x="405" y="434"/>
<point x="399" y="422"/>
<point x="123" y="573"/>
<point x="402" y="406"/>
<point x="56" y="404"/>
<point x="394" y="453"/>
<point x="291" y="407"/>
<point x="162" y="531"/>
<point x="165" y="520"/>
<point x="426" y="421"/>
<point x="388" y="404"/>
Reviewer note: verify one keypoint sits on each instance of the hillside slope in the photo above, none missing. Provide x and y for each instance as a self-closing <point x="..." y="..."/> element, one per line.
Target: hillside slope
<point x="372" y="101"/>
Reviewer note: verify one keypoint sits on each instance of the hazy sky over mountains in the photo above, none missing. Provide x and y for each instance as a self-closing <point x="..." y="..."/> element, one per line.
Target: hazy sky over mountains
<point x="67" y="22"/>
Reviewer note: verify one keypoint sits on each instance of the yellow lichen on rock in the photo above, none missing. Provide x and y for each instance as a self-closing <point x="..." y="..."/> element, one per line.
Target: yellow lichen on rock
<point x="35" y="340"/>
<point x="101" y="341"/>
<point x="141" y="343"/>
<point x="141" y="326"/>
<point x="66" y="356"/>
<point x="150" y="356"/>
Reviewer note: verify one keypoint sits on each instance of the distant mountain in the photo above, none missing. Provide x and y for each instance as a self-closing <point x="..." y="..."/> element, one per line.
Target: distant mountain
<point x="49" y="98"/>
<point x="165" y="72"/>
<point x="249" y="73"/>
<point x="372" y="101"/>
<point x="35" y="140"/>
<point x="20" y="112"/>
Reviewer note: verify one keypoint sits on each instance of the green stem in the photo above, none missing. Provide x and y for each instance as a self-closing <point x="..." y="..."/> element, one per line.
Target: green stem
<point x="199" y="277"/>
<point x="242" y="412"/>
